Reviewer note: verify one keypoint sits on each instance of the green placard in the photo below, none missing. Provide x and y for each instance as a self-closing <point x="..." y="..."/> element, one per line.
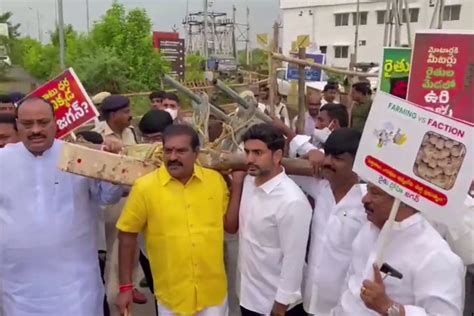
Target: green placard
<point x="395" y="71"/>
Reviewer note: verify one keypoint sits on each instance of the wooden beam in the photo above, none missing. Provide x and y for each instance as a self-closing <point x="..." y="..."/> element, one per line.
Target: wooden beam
<point x="120" y="169"/>
<point x="322" y="67"/>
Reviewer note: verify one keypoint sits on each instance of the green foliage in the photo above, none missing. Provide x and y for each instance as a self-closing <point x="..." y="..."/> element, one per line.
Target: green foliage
<point x="259" y="60"/>
<point x="117" y="56"/>
<point x="68" y="32"/>
<point x="41" y="61"/>
<point x="194" y="71"/>
<point x="336" y="78"/>
<point x="101" y="70"/>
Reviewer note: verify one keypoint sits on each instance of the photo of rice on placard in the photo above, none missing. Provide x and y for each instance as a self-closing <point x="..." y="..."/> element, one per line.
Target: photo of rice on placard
<point x="439" y="160"/>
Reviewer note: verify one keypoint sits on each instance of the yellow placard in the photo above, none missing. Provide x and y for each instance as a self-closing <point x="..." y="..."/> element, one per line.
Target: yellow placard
<point x="262" y="39"/>
<point x="302" y="41"/>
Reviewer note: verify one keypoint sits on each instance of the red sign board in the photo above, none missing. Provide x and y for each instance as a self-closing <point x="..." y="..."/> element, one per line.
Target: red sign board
<point x="442" y="73"/>
<point x="163" y="36"/>
<point x="72" y="105"/>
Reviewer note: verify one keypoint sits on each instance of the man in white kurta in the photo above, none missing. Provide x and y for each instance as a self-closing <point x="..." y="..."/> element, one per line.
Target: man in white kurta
<point x="432" y="276"/>
<point x="337" y="219"/>
<point x="48" y="253"/>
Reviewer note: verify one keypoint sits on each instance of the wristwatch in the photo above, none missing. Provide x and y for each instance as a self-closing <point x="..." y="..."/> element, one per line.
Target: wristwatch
<point x="394" y="310"/>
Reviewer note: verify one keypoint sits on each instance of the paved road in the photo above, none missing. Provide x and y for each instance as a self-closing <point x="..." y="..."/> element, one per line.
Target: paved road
<point x="231" y="254"/>
<point x="231" y="251"/>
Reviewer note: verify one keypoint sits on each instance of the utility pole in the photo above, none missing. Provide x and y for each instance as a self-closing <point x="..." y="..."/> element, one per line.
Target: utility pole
<point x="62" y="63"/>
<point x="407" y="18"/>
<point x="87" y="16"/>
<point x="40" y="35"/>
<point x="441" y="14"/>
<point x="356" y="37"/>
<point x="437" y="17"/>
<point x="386" y="21"/>
<point x="234" y="44"/>
<point x="248" y="37"/>
<point x="206" y="50"/>
<point x="398" y="22"/>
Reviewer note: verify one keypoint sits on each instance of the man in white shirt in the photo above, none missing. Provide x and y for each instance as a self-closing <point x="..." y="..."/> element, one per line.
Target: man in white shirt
<point x="337" y="219"/>
<point x="330" y="92"/>
<point x="329" y="119"/>
<point x="48" y="252"/>
<point x="430" y="278"/>
<point x="273" y="228"/>
<point x="313" y="104"/>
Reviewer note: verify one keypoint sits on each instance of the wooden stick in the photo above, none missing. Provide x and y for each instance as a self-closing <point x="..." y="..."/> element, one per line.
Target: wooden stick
<point x="301" y="93"/>
<point x="322" y="67"/>
<point x="272" y="80"/>
<point x="385" y="233"/>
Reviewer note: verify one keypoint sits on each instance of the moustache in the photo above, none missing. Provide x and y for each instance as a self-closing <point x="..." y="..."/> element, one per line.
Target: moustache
<point x="252" y="165"/>
<point x="328" y="168"/>
<point x="36" y="136"/>
<point x="174" y="163"/>
<point x="368" y="208"/>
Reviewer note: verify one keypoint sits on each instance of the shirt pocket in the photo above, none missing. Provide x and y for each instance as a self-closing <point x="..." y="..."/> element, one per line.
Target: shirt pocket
<point x="344" y="229"/>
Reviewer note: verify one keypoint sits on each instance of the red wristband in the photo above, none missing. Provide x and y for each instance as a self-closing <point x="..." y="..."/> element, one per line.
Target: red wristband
<point x="126" y="288"/>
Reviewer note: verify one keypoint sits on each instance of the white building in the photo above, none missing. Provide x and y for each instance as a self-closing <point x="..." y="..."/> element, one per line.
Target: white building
<point x="331" y="25"/>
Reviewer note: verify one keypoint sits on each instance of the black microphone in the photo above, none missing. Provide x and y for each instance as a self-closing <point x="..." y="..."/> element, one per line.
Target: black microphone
<point x="390" y="271"/>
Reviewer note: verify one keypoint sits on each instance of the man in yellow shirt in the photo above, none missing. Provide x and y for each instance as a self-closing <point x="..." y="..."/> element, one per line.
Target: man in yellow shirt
<point x="181" y="208"/>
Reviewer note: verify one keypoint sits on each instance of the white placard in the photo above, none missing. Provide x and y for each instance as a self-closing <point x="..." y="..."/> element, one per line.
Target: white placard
<point x="418" y="156"/>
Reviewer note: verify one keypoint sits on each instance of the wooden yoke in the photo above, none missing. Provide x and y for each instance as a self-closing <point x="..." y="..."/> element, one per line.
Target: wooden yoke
<point x="124" y="170"/>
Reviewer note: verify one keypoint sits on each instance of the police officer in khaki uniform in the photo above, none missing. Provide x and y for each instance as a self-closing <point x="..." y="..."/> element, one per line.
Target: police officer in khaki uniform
<point x="117" y="117"/>
<point x="116" y="112"/>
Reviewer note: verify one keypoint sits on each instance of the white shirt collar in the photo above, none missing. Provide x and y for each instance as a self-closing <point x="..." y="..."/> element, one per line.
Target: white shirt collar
<point x="271" y="184"/>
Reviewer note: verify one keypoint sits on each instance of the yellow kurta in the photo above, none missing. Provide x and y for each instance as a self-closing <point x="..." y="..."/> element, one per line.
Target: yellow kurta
<point x="184" y="230"/>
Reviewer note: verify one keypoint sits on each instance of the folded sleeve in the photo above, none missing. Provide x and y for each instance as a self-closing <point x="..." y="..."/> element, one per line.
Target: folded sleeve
<point x="300" y="145"/>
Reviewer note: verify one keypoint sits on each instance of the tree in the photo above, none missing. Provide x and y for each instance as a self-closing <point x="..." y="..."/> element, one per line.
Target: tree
<point x="259" y="60"/>
<point x="116" y="56"/>
<point x="194" y="68"/>
<point x="102" y="70"/>
<point x="12" y="28"/>
<point x="129" y="34"/>
<point x="68" y="32"/>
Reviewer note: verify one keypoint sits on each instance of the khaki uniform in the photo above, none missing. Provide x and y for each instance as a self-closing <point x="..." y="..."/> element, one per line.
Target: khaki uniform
<point x="128" y="136"/>
<point x="359" y="115"/>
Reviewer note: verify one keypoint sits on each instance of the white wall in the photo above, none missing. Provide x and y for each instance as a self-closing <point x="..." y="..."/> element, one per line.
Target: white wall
<point x="321" y="25"/>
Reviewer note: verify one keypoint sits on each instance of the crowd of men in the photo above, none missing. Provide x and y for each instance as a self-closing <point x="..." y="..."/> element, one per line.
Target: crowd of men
<point x="306" y="244"/>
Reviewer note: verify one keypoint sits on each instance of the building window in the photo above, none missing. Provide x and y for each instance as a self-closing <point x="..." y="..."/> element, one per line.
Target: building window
<point x="342" y="19"/>
<point x="323" y="49"/>
<point x="362" y="43"/>
<point x="341" y="51"/>
<point x="381" y="17"/>
<point x="414" y="12"/>
<point x="452" y="13"/>
<point x="362" y="18"/>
